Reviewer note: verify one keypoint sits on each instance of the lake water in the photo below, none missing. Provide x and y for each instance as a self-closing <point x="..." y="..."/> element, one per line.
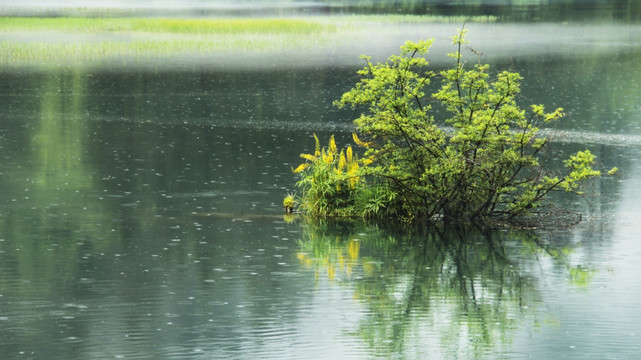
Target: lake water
<point x="141" y="218"/>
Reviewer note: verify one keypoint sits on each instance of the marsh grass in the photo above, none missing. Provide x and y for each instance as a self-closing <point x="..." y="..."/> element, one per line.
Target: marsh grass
<point x="63" y="41"/>
<point x="165" y="25"/>
<point x="45" y="52"/>
<point x="96" y="41"/>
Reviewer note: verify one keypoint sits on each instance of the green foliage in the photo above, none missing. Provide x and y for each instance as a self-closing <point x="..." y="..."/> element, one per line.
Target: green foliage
<point x="482" y="162"/>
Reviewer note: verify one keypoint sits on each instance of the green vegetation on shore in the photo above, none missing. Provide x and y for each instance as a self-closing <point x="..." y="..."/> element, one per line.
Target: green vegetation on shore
<point x="83" y="41"/>
<point x="164" y="25"/>
<point x="97" y="41"/>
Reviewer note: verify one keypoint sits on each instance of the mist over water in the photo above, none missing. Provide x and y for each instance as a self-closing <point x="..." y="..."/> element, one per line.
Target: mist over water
<point x="522" y="10"/>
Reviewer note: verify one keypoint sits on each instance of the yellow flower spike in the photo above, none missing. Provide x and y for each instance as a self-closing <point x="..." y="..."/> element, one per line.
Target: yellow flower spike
<point x="301" y="168"/>
<point x="328" y="157"/>
<point x="349" y="155"/>
<point x="318" y="149"/>
<point x="342" y="162"/>
<point x="353" y="181"/>
<point x="352" y="166"/>
<point x="360" y="142"/>
<point x="309" y="157"/>
<point x="332" y="145"/>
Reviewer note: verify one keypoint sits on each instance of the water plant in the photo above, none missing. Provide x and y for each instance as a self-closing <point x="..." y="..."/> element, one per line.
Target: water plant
<point x="289" y="202"/>
<point x="488" y="164"/>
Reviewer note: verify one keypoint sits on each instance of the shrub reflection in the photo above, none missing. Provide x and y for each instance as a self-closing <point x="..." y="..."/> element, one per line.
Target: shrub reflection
<point x="457" y="291"/>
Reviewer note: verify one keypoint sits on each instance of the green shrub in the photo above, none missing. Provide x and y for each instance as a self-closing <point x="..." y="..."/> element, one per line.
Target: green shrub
<point x="481" y="163"/>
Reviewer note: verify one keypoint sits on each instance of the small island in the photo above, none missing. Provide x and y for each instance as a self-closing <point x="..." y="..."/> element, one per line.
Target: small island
<point x="482" y="163"/>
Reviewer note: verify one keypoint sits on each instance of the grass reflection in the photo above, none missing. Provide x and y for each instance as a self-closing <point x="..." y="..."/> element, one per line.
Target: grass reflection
<point x="454" y="292"/>
<point x="58" y="141"/>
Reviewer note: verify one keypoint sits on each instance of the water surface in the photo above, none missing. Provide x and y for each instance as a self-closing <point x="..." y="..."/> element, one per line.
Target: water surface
<point x="140" y="217"/>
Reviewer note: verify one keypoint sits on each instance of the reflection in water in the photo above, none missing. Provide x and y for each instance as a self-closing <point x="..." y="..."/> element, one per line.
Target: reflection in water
<point x="161" y="286"/>
<point x="58" y="142"/>
<point x="459" y="293"/>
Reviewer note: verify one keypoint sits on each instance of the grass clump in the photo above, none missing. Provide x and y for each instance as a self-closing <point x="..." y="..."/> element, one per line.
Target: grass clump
<point x="330" y="180"/>
<point x="333" y="185"/>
